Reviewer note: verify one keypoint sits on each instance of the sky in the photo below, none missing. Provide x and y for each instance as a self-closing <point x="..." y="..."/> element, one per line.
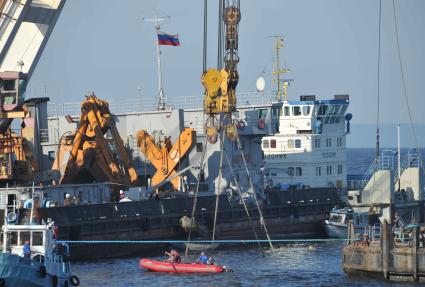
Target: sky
<point x="331" y="47"/>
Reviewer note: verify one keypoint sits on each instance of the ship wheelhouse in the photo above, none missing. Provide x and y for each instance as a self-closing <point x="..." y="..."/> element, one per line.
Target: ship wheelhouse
<point x="310" y="148"/>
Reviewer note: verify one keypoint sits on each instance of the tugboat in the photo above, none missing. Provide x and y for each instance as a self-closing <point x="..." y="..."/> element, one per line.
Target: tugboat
<point x="45" y="265"/>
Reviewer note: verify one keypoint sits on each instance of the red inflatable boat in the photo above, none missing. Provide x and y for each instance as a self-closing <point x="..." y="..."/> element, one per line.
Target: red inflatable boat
<point x="159" y="266"/>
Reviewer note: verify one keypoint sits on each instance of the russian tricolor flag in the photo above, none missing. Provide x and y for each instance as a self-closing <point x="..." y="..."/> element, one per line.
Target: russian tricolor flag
<point x="168" y="40"/>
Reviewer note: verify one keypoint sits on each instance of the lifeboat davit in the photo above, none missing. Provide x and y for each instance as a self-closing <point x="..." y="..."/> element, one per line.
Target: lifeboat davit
<point x="159" y="266"/>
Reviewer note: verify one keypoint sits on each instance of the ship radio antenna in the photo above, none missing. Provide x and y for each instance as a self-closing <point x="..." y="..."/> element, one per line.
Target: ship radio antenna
<point x="277" y="70"/>
<point x="161" y="104"/>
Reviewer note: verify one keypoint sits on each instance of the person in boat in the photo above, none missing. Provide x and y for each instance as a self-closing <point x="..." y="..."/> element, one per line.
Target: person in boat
<point x="173" y="256"/>
<point x="202" y="259"/>
<point x="210" y="260"/>
<point x="27" y="249"/>
<point x="122" y="195"/>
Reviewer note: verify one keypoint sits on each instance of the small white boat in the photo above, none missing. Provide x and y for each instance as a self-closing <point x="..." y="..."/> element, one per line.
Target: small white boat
<point x="47" y="264"/>
<point x="337" y="224"/>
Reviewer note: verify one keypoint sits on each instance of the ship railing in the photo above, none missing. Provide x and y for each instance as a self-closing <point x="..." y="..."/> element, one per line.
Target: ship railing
<point x="370" y="233"/>
<point x="143" y="103"/>
<point x="366" y="177"/>
<point x="403" y="165"/>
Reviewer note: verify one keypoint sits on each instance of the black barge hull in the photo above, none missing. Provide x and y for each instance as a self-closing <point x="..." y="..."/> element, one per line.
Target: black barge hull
<point x="288" y="215"/>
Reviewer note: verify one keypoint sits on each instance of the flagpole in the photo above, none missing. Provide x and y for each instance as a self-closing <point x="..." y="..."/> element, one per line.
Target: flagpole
<point x="161" y="104"/>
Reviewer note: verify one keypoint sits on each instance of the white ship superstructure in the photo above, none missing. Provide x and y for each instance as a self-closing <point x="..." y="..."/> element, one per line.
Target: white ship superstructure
<point x="310" y="148"/>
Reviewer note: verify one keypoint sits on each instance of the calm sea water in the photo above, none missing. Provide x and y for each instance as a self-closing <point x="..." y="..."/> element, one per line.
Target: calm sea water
<point x="317" y="264"/>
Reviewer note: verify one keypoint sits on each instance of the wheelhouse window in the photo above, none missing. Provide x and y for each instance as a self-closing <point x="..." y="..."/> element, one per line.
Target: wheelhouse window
<point x="322" y="110"/>
<point x="298" y="171"/>
<point x="286" y="111"/>
<point x="262" y="114"/>
<point x="306" y="110"/>
<point x="290" y="143"/>
<point x="37" y="238"/>
<point x="329" y="170"/>
<point x="298" y="143"/>
<point x="318" y="170"/>
<point x="296" y="110"/>
<point x="24" y="236"/>
<point x="273" y="143"/>
<point x="265" y="143"/>
<point x="328" y="142"/>
<point x="343" y="110"/>
<point x="340" y="169"/>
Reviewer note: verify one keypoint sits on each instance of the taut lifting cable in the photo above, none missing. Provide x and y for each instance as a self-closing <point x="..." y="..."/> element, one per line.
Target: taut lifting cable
<point x="217" y="198"/>
<point x="242" y="199"/>
<point x="404" y="84"/>
<point x="195" y="198"/>
<point x="262" y="221"/>
<point x="204" y="66"/>
<point x="379" y="71"/>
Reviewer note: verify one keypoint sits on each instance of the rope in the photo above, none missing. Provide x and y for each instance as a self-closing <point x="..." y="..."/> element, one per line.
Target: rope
<point x="223" y="241"/>
<point x="204" y="49"/>
<point x="379" y="72"/>
<point x="243" y="200"/>
<point x="220" y="36"/>
<point x="403" y="78"/>
<point x="217" y="198"/>
<point x="262" y="222"/>
<point x="195" y="199"/>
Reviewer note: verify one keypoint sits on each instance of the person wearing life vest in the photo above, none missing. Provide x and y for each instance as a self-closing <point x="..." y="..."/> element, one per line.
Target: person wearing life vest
<point x="27" y="249"/>
<point x="202" y="259"/>
<point x="173" y="256"/>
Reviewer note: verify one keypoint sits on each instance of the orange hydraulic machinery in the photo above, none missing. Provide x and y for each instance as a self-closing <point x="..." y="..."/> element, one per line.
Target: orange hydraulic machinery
<point x="91" y="156"/>
<point x="164" y="157"/>
<point x="15" y="157"/>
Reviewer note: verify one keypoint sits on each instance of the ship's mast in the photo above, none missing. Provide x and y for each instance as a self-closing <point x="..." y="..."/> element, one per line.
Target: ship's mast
<point x="161" y="104"/>
<point x="277" y="70"/>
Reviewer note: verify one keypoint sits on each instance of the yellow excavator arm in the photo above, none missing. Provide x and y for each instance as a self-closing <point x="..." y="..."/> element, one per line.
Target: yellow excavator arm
<point x="166" y="158"/>
<point x="91" y="156"/>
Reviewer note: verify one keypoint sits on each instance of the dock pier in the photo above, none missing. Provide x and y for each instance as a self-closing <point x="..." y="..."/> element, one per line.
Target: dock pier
<point x="397" y="254"/>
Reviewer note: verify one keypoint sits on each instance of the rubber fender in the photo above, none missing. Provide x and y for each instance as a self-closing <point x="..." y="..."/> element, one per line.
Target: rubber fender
<point x="42" y="271"/>
<point x="11" y="217"/>
<point x="74" y="280"/>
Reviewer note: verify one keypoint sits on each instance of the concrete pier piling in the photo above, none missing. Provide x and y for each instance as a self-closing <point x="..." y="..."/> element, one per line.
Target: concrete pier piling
<point x="396" y="254"/>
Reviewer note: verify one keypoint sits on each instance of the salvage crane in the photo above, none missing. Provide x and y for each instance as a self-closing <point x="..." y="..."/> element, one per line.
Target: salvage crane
<point x="90" y="155"/>
<point x="220" y="84"/>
